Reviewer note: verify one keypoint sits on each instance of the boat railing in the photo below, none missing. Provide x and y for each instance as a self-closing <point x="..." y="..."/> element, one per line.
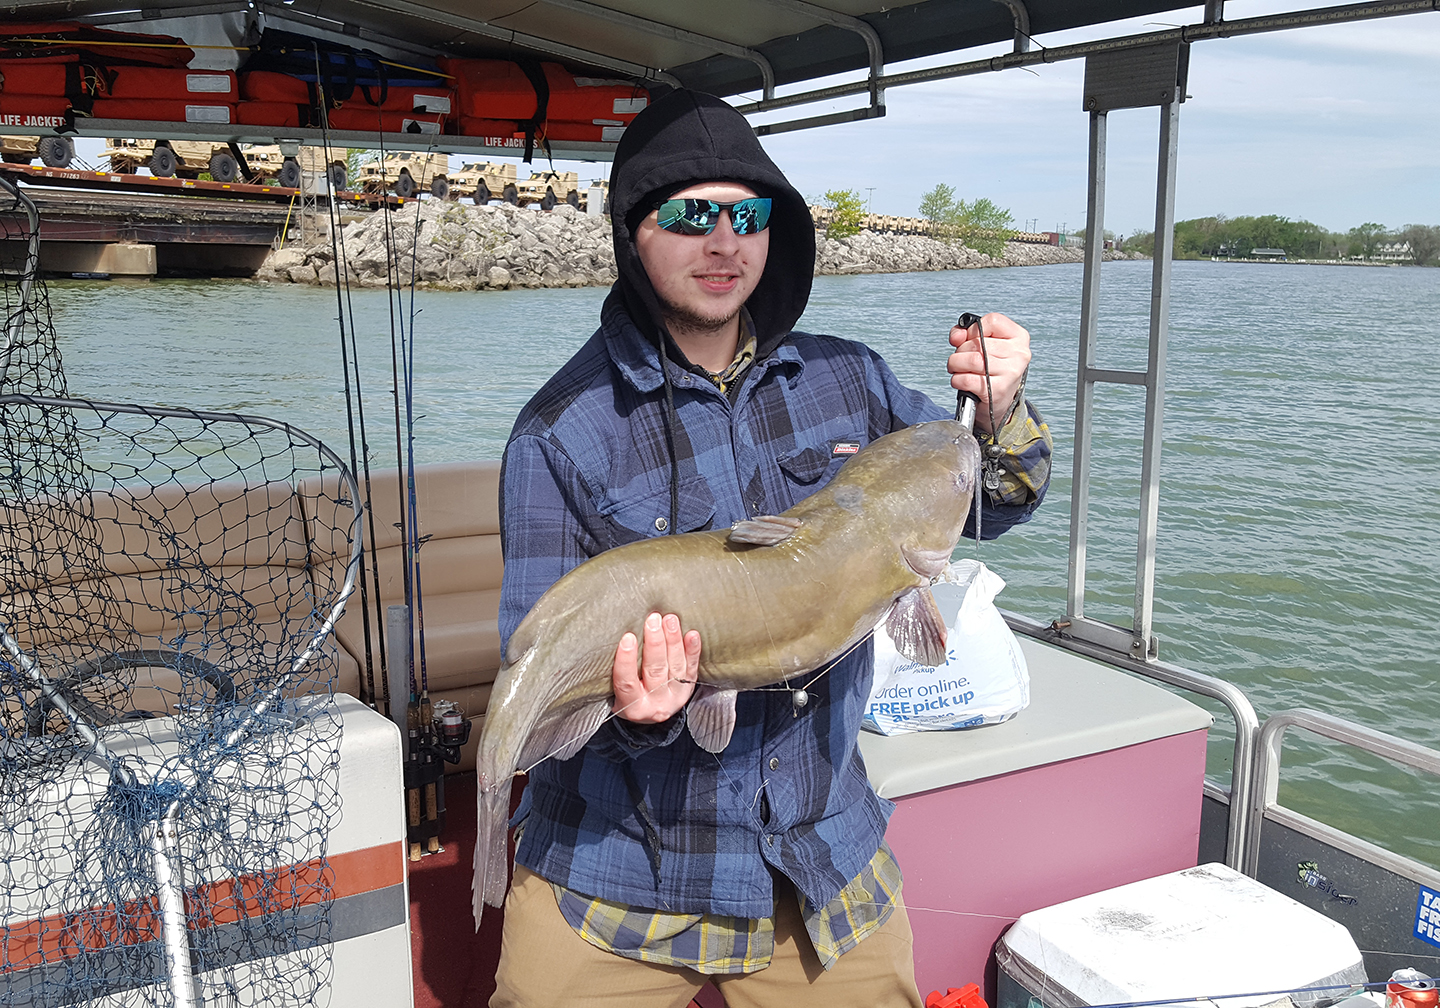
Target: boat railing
<point x="1265" y="785"/>
<point x="1247" y="723"/>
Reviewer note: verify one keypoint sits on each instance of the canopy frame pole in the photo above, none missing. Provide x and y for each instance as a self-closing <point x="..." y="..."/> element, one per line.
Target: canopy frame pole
<point x="1155" y="383"/>
<point x="1142" y="78"/>
<point x="1084" y="381"/>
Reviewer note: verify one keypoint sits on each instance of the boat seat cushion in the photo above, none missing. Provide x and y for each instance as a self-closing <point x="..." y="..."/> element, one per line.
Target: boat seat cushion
<point x="219" y="572"/>
<point x="458" y="505"/>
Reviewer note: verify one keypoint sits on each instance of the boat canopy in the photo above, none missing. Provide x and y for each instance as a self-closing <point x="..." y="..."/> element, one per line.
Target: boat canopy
<point x="727" y="49"/>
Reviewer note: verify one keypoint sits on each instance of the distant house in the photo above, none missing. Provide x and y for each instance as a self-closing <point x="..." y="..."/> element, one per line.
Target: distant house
<point x="1267" y="253"/>
<point x="1393" y="252"/>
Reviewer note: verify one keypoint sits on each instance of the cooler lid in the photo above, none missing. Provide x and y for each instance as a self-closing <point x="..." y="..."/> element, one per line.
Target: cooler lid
<point x="1192" y="934"/>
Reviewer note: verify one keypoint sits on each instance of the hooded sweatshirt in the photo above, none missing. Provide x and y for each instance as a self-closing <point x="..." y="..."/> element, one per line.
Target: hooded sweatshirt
<point x="688" y="137"/>
<point x="628" y="441"/>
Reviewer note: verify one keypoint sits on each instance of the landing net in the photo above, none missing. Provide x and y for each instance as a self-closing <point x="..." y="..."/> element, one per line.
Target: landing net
<point x="168" y="756"/>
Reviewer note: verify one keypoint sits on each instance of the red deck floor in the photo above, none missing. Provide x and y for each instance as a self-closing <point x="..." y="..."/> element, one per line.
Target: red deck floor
<point x="453" y="966"/>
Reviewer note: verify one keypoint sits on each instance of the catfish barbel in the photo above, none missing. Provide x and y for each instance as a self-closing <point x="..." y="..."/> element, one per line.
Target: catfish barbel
<point x="773" y="598"/>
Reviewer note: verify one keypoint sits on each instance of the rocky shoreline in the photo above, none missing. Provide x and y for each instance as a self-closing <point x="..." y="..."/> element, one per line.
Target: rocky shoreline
<point x="501" y="247"/>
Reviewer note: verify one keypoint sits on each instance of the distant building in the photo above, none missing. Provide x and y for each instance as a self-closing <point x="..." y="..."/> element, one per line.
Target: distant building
<point x="1393" y="252"/>
<point x="1267" y="253"/>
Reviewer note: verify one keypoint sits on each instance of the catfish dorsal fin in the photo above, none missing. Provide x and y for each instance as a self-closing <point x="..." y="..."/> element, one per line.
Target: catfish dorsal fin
<point x="917" y="628"/>
<point x="766" y="530"/>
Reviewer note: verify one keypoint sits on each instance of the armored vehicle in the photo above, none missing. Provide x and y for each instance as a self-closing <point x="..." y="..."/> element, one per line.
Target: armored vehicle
<point x="406" y="173"/>
<point x="483" y="181"/>
<point x="53" y="151"/>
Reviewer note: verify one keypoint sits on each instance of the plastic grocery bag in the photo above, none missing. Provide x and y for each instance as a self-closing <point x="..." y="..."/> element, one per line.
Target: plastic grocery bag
<point x="984" y="680"/>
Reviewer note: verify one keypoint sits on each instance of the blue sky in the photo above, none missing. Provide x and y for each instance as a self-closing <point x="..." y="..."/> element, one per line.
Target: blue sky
<point x="1337" y="125"/>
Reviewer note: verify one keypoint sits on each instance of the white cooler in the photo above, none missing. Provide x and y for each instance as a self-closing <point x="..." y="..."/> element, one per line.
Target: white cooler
<point x="1192" y="934"/>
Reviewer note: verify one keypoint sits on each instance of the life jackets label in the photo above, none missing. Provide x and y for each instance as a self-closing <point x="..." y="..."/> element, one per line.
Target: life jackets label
<point x="32" y="120"/>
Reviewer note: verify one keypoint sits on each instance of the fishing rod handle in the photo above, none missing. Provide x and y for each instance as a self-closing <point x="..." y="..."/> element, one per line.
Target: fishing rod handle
<point x="966" y="402"/>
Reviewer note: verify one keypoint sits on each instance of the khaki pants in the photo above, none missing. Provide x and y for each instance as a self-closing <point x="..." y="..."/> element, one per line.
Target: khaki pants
<point x="543" y="963"/>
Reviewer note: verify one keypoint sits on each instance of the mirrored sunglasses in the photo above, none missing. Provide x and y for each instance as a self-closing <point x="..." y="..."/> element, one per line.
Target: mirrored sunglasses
<point x="701" y="216"/>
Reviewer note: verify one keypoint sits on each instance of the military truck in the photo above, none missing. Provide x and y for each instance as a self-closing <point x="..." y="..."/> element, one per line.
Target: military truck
<point x="225" y="162"/>
<point x="405" y="173"/>
<point x="550" y="188"/>
<point x="483" y="181"/>
<point x="53" y="151"/>
<point x="267" y="161"/>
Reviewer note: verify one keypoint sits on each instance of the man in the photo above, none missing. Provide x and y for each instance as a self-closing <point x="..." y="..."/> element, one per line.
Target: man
<point x="645" y="865"/>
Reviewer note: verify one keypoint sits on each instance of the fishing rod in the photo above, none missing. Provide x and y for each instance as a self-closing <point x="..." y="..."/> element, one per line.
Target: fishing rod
<point x="965" y="405"/>
<point x="433" y="733"/>
<point x="419" y="601"/>
<point x="337" y="250"/>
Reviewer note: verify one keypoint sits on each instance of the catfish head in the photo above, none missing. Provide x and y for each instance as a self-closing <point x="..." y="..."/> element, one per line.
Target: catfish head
<point x="918" y="482"/>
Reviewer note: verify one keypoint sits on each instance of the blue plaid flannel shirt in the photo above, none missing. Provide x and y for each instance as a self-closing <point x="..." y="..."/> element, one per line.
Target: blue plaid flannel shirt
<point x="641" y="816"/>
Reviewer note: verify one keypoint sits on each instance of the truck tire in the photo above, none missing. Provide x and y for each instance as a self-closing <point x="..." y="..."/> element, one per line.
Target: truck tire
<point x="162" y="163"/>
<point x="574" y="198"/>
<point x="224" y="167"/>
<point x="56" y="151"/>
<point x="290" y="175"/>
<point x="405" y="185"/>
<point x="548" y="201"/>
<point x="339" y="175"/>
<point x="512" y="195"/>
<point x="440" y="187"/>
<point x="482" y="194"/>
<point x="15" y="158"/>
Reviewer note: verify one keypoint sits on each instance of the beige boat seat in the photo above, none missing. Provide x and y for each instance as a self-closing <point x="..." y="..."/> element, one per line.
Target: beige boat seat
<point x="458" y="504"/>
<point x="219" y="572"/>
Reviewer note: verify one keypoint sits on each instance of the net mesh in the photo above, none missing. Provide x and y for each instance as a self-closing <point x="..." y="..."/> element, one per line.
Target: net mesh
<point x="168" y="580"/>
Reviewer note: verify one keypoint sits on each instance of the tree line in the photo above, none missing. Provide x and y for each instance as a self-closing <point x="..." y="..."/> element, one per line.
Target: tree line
<point x="979" y="223"/>
<point x="1219" y="235"/>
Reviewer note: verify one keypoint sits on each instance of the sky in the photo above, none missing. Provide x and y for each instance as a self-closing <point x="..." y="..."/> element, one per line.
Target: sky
<point x="1332" y="124"/>
<point x="1336" y="125"/>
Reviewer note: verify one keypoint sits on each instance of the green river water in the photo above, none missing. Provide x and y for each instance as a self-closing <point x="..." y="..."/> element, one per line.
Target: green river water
<point x="1300" y="501"/>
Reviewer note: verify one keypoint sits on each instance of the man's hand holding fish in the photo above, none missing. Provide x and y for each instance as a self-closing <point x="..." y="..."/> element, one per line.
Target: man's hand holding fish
<point x="654" y="688"/>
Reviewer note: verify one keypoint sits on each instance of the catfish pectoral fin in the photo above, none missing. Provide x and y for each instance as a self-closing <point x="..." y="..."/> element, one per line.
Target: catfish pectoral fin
<point x="710" y="716"/>
<point x="562" y="737"/>
<point x="767" y="530"/>
<point x="917" y="628"/>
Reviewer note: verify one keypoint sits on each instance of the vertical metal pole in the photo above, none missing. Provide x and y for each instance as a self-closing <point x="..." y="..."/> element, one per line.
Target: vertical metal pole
<point x="1155" y="381"/>
<point x="399" y="644"/>
<point x="170" y="895"/>
<point x="1084" y="382"/>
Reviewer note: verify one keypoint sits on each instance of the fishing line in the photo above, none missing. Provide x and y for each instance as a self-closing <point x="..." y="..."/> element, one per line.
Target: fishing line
<point x="87" y="43"/>
<point x="958" y="913"/>
<point x="1373" y="984"/>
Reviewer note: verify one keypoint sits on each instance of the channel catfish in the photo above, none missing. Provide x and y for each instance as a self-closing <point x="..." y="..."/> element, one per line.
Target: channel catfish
<point x="773" y="597"/>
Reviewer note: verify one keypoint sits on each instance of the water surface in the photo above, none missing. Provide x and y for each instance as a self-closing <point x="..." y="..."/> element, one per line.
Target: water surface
<point x="1298" y="550"/>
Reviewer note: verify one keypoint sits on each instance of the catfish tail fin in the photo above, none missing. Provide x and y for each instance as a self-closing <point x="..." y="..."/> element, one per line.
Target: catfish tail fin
<point x="492" y="850"/>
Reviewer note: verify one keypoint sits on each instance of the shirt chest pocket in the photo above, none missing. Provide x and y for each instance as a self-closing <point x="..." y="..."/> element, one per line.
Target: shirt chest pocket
<point x="811" y="467"/>
<point x="641" y="516"/>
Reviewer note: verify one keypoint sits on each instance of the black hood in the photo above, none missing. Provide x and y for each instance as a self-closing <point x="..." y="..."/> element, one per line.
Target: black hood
<point x="688" y="137"/>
